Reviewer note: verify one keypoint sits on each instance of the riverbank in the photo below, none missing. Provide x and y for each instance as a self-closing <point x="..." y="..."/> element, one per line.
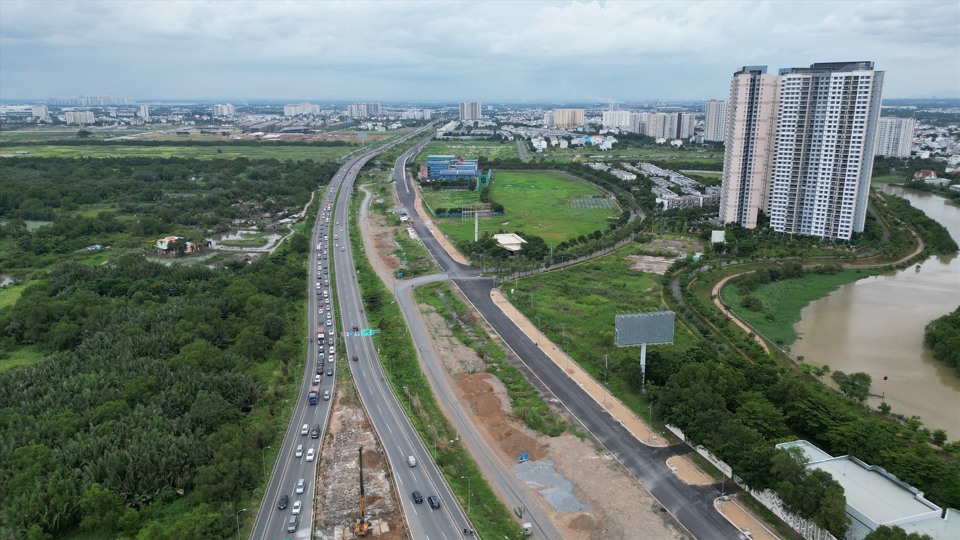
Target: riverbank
<point x="783" y="301"/>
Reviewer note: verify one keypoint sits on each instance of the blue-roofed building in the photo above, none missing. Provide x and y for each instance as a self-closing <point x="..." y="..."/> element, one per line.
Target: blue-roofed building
<point x="450" y="168"/>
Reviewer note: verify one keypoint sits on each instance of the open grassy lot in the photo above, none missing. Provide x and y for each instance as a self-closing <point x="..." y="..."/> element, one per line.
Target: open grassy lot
<point x="23" y="356"/>
<point x="470" y="149"/>
<point x="536" y="202"/>
<point x="576" y="308"/>
<point x="51" y="132"/>
<point x="267" y="151"/>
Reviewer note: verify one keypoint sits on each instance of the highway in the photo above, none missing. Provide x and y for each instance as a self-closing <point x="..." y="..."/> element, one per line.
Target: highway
<point x="692" y="506"/>
<point x="394" y="430"/>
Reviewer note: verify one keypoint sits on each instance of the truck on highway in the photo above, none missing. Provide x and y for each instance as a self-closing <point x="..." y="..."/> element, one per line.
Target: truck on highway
<point x="312" y="397"/>
<point x="321" y="335"/>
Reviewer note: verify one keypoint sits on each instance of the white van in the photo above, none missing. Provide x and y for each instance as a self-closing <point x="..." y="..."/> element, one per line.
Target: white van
<point x="411" y="461"/>
<point x="305" y="429"/>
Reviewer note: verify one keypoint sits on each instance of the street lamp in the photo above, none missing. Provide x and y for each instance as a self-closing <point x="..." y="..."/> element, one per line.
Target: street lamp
<point x="238" y="521"/>
<point x="469" y="494"/>
<point x="263" y="462"/>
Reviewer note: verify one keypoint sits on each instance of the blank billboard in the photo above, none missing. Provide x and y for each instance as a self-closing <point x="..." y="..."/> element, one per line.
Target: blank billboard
<point x="649" y="328"/>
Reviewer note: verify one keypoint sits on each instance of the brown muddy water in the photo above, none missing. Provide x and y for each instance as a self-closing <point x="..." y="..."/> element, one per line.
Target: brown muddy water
<point x="875" y="325"/>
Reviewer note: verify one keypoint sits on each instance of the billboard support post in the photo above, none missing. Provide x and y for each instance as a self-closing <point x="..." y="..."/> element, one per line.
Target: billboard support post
<point x="644" y="329"/>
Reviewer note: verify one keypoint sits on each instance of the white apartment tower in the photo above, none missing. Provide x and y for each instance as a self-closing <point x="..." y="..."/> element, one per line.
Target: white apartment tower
<point x="470" y="111"/>
<point x="145" y="112"/>
<point x="714" y="128"/>
<point x="617" y="119"/>
<point x="228" y="110"/>
<point x="895" y="136"/>
<point x="800" y="146"/>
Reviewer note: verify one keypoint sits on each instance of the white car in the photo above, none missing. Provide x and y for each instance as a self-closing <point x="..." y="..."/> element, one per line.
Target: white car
<point x="305" y="429"/>
<point x="316" y="380"/>
<point x="329" y="322"/>
<point x="311" y="454"/>
<point x="330" y="358"/>
<point x="299" y="452"/>
<point x="296" y="507"/>
<point x="301" y="486"/>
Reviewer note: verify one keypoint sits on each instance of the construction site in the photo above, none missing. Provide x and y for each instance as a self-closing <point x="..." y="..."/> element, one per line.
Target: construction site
<point x="339" y="505"/>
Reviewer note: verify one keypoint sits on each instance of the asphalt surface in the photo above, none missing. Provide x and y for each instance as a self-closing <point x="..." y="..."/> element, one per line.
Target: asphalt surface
<point x="692" y="506"/>
<point x="397" y="435"/>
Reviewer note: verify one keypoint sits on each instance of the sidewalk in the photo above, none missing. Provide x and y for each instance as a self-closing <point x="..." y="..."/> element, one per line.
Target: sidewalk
<point x="742" y="519"/>
<point x="591" y="386"/>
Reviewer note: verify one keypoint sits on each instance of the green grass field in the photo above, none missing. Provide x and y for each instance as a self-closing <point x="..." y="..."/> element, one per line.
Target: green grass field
<point x="783" y="300"/>
<point x="227" y="151"/>
<point x="470" y="149"/>
<point x="888" y="179"/>
<point x="535" y="202"/>
<point x="22" y="356"/>
<point x="10" y="294"/>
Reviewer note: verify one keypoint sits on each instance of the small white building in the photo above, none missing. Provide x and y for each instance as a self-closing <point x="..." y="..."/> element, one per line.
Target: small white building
<point x="510" y="242"/>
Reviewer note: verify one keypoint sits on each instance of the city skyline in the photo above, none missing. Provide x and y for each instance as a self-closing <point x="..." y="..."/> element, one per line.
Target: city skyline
<point x="572" y="52"/>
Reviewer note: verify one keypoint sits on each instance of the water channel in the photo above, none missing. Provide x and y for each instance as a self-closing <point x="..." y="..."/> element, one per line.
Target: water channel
<point x="875" y="325"/>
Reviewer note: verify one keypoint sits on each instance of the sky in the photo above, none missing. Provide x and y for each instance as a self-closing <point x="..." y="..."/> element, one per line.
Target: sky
<point x="493" y="52"/>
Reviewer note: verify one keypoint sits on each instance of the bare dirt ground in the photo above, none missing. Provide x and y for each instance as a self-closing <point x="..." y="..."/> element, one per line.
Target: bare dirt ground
<point x="619" y="506"/>
<point x="688" y="472"/>
<point x="338" y="479"/>
<point x="650" y="264"/>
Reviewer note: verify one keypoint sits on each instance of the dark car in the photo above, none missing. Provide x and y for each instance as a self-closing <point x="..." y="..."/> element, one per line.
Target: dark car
<point x="330" y="371"/>
<point x="283" y="502"/>
<point x="417" y="497"/>
<point x="355" y="358"/>
<point x="356" y="328"/>
<point x="315" y="433"/>
<point x="434" y="501"/>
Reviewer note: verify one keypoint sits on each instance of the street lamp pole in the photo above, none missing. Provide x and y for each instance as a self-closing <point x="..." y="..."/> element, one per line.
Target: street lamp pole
<point x="469" y="494"/>
<point x="238" y="521"/>
<point x="263" y="463"/>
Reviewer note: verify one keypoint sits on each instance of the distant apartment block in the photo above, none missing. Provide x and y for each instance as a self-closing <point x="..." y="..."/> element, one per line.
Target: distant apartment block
<point x="800" y="146"/>
<point x="566" y="118"/>
<point x="716" y="112"/>
<point x="228" y="110"/>
<point x="144" y="112"/>
<point x="416" y="114"/>
<point x="302" y="109"/>
<point x="448" y="168"/>
<point x="470" y="111"/>
<point x="39" y="111"/>
<point x="363" y="110"/>
<point x="617" y="119"/>
<point x="895" y="136"/>
<point x="669" y="125"/>
<point x="80" y="117"/>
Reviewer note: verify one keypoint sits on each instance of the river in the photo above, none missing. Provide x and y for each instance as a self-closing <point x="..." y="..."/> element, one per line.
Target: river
<point x="875" y="325"/>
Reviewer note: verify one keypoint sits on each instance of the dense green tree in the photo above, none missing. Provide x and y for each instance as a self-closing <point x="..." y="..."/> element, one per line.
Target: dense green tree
<point x="101" y="509"/>
<point x="885" y="532"/>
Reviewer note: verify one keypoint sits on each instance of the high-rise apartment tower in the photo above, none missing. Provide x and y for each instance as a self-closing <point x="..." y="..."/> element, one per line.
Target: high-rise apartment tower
<point x="470" y="111"/>
<point x="800" y="145"/>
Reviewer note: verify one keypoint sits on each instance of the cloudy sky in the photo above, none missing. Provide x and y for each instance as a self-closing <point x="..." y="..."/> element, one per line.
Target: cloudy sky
<point x="453" y="51"/>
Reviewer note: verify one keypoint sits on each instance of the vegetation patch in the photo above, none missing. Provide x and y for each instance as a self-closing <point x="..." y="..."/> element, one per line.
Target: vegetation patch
<point x="943" y="337"/>
<point x="774" y="307"/>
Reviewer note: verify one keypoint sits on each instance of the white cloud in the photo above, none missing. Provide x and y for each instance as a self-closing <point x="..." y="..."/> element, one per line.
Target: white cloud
<point x="497" y="50"/>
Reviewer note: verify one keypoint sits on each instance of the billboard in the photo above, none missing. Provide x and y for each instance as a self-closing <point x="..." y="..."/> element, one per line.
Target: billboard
<point x="644" y="328"/>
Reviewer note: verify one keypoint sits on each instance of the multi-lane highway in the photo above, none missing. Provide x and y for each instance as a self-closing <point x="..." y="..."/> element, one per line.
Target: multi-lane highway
<point x="332" y="249"/>
<point x="692" y="506"/>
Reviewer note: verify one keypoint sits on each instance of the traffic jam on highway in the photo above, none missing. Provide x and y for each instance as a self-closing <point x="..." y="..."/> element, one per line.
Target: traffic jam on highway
<point x="325" y="364"/>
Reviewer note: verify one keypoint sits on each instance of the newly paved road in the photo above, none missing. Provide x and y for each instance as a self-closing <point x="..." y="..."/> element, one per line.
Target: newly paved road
<point x="392" y="426"/>
<point x="692" y="506"/>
